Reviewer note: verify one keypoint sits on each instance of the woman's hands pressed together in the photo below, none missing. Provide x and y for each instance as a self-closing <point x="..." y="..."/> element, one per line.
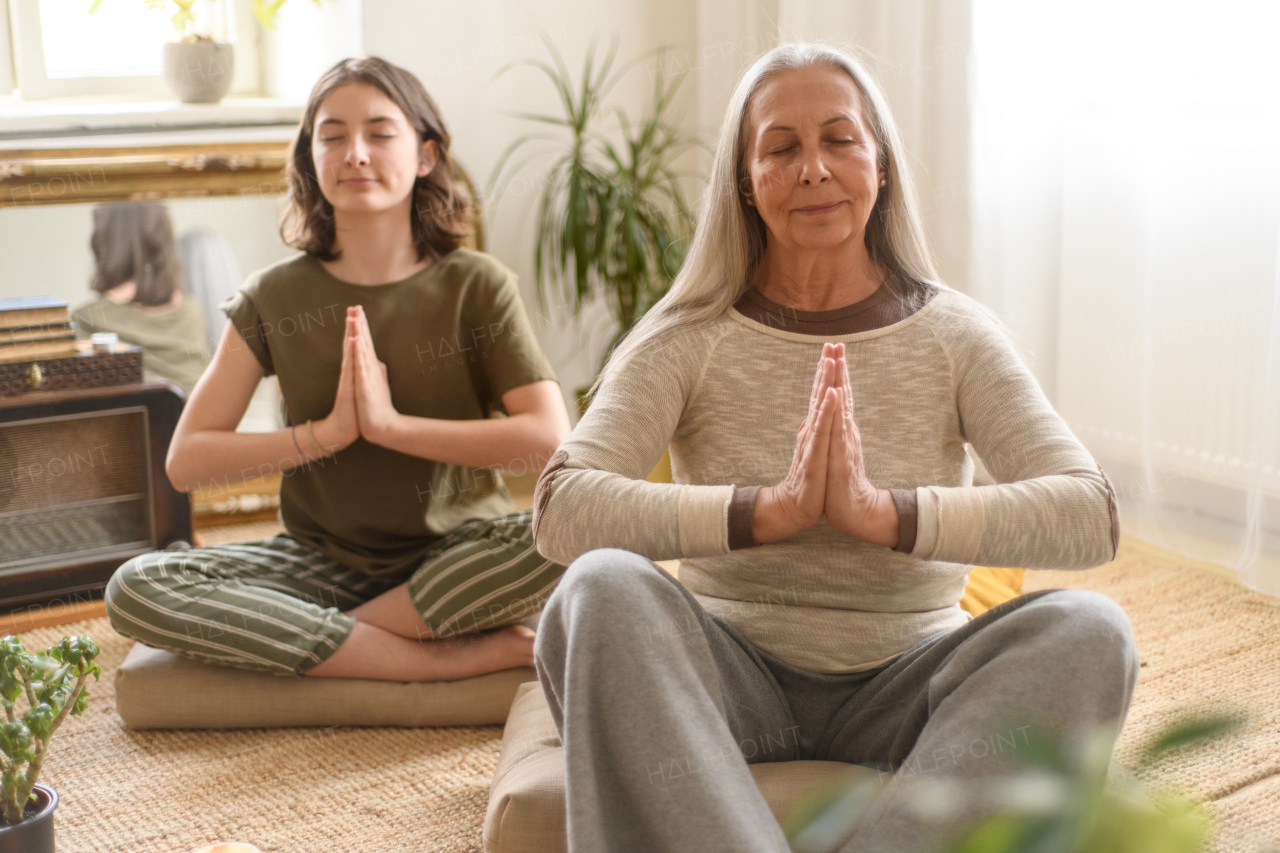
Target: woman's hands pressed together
<point x="800" y="499"/>
<point x="827" y="475"/>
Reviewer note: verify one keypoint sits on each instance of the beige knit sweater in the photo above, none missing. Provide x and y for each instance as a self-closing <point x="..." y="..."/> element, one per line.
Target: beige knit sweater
<point x="728" y="399"/>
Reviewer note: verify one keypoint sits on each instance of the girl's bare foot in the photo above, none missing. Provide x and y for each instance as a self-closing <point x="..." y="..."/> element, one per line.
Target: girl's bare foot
<point x="371" y="652"/>
<point x="476" y="654"/>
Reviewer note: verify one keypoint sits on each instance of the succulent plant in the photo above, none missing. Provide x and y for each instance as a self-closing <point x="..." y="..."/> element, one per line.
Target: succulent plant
<point x="53" y="684"/>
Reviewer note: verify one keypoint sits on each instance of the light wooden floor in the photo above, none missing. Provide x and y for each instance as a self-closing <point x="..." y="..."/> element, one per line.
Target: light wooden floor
<point x="39" y="616"/>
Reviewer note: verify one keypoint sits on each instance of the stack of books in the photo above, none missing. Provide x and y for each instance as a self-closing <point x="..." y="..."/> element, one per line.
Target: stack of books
<point x="33" y="327"/>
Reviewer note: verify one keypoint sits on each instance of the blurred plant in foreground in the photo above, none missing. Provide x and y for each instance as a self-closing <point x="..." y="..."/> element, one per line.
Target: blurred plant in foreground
<point x="1058" y="798"/>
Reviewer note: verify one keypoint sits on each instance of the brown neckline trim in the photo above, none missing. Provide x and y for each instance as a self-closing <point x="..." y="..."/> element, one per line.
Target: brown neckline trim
<point x="877" y="311"/>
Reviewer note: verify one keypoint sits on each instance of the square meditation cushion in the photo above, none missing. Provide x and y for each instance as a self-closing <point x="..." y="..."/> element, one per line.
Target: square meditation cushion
<point x="161" y="690"/>
<point x="526" y="811"/>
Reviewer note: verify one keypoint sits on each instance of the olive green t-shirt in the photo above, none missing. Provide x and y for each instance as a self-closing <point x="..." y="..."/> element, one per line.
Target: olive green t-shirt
<point x="454" y="337"/>
<point x="174" y="341"/>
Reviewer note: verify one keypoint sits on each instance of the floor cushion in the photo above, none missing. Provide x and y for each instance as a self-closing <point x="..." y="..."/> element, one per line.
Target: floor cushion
<point x="526" y="812"/>
<point x="160" y="690"/>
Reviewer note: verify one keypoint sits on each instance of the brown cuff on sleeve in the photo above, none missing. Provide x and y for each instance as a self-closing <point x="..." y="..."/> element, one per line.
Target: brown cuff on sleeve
<point x="1114" y="508"/>
<point x="908" y="518"/>
<point x="542" y="491"/>
<point x="742" y="507"/>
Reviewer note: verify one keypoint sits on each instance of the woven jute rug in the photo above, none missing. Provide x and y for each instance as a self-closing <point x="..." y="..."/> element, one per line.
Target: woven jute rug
<point x="287" y="790"/>
<point x="1206" y="644"/>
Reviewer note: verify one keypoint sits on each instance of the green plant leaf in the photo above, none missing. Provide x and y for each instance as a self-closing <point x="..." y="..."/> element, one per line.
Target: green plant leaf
<point x="267" y="12"/>
<point x="81" y="703"/>
<point x="825" y="816"/>
<point x="10" y="687"/>
<point x="1190" y="732"/>
<point x="1003" y="833"/>
<point x="39" y="720"/>
<point x="558" y="122"/>
<point x="44" y="662"/>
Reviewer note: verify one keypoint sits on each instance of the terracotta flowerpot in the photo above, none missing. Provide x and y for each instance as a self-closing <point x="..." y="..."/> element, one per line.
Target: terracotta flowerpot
<point x="35" y="833"/>
<point x="199" y="72"/>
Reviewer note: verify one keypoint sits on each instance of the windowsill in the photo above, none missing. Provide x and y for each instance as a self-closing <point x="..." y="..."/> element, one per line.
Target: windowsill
<point x="80" y="116"/>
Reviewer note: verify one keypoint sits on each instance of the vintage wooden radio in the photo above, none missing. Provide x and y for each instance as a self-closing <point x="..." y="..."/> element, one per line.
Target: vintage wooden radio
<point x="83" y="488"/>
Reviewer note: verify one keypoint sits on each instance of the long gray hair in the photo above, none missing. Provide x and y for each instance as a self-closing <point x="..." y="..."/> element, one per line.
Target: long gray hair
<point x="729" y="242"/>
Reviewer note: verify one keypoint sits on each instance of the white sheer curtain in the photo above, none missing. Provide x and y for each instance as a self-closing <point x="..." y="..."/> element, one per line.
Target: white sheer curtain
<point x="1126" y="221"/>
<point x="210" y="275"/>
<point x="1105" y="174"/>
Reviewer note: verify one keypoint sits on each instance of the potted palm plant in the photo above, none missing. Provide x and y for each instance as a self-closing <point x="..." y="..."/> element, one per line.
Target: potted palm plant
<point x="612" y="221"/>
<point x="53" y="685"/>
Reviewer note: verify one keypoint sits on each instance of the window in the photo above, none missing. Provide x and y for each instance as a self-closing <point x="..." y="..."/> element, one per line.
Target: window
<point x="6" y="51"/>
<point x="1125" y="184"/>
<point x="55" y="48"/>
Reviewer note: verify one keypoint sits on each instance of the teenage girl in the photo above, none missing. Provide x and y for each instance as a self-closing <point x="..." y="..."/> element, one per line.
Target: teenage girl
<point x="403" y="558"/>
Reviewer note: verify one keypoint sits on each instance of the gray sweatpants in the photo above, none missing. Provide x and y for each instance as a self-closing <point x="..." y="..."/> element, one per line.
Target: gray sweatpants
<point x="662" y="706"/>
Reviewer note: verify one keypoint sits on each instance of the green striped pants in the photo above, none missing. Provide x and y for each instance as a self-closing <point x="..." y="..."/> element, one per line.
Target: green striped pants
<point x="276" y="605"/>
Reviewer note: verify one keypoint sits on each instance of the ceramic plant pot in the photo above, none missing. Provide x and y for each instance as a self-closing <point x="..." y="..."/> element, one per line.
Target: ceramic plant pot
<point x="35" y="833"/>
<point x="199" y="72"/>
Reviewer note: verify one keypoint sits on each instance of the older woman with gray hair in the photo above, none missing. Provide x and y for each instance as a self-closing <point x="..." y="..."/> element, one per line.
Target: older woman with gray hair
<point x="817" y="614"/>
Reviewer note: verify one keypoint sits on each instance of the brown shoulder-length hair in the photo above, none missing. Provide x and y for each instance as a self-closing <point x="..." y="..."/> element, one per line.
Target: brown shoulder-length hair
<point x="134" y="242"/>
<point x="443" y="213"/>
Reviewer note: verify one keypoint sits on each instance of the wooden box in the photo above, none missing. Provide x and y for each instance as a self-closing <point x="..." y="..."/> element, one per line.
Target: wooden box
<point x="85" y="369"/>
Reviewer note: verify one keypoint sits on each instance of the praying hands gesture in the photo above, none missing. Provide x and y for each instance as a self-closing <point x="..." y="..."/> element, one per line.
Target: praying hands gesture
<point x="827" y="475"/>
<point x="362" y="406"/>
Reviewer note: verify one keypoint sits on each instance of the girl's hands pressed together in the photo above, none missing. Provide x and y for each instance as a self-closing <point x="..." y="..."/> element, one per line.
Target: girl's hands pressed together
<point x="341" y="427"/>
<point x="375" y="411"/>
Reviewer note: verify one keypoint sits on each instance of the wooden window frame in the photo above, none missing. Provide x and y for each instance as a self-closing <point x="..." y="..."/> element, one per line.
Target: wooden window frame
<point x="23" y="40"/>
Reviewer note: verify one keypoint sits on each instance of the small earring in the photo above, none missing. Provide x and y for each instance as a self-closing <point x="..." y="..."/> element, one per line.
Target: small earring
<point x="882" y="182"/>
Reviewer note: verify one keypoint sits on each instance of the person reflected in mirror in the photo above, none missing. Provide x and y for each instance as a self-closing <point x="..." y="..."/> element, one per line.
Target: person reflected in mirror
<point x="140" y="295"/>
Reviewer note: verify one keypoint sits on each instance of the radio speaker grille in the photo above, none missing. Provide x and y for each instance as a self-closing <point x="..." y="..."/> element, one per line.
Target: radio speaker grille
<point x="74" y="486"/>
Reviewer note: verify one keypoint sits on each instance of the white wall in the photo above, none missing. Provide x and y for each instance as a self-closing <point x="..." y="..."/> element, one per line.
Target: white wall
<point x="457" y="49"/>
